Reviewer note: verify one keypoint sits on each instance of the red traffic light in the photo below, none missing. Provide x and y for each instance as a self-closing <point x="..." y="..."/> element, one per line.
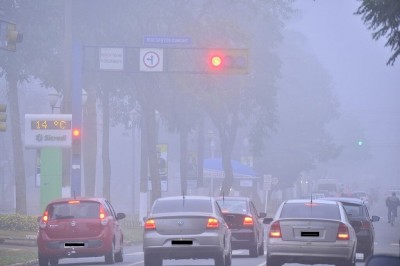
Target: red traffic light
<point x="216" y="61"/>
<point x="76" y="133"/>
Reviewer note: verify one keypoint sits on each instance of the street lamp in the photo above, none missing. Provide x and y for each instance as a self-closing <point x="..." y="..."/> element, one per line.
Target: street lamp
<point x="53" y="96"/>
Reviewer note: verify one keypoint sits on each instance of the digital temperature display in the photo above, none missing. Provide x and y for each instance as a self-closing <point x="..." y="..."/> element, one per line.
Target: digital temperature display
<point x="50" y="124"/>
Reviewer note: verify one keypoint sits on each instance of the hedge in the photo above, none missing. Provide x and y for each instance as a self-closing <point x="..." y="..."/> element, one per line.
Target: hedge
<point x="18" y="222"/>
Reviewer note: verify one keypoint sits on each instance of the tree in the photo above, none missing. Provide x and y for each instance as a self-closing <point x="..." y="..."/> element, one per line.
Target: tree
<point x="383" y="17"/>
<point x="39" y="55"/>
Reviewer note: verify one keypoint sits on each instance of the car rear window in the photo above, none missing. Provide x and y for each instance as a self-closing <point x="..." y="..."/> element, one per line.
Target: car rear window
<point x="238" y="206"/>
<point x="353" y="210"/>
<point x="315" y="210"/>
<point x="74" y="209"/>
<point x="182" y="205"/>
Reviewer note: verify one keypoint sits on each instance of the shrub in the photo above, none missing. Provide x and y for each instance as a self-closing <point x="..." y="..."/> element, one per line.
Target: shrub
<point x="18" y="222"/>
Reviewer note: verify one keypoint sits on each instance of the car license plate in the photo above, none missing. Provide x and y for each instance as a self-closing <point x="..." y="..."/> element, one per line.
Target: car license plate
<point x="182" y="242"/>
<point x="74" y="245"/>
<point x="310" y="234"/>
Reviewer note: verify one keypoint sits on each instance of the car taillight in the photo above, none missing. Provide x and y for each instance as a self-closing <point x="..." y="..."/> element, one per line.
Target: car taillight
<point x="102" y="215"/>
<point x="212" y="223"/>
<point x="150" y="224"/>
<point x="248" y="221"/>
<point x="343" y="232"/>
<point x="275" y="230"/>
<point x="365" y="225"/>
<point x="43" y="221"/>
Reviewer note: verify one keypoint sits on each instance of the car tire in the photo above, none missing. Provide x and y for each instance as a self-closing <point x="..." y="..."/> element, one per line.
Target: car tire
<point x="273" y="262"/>
<point x="119" y="256"/>
<point x="253" y="251"/>
<point x="109" y="258"/>
<point x="220" y="259"/>
<point x="261" y="249"/>
<point x="228" y="258"/>
<point x="368" y="253"/>
<point x="152" y="260"/>
<point x="53" y="261"/>
<point x="43" y="260"/>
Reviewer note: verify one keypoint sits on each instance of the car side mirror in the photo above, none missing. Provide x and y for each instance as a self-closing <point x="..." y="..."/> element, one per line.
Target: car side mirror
<point x="356" y="225"/>
<point x="39" y="218"/>
<point x="375" y="218"/>
<point x="262" y="215"/>
<point x="267" y="220"/>
<point x="380" y="260"/>
<point x="144" y="219"/>
<point x="120" y="216"/>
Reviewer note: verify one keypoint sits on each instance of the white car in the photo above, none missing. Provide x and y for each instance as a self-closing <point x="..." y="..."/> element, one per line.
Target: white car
<point x="311" y="232"/>
<point x="186" y="227"/>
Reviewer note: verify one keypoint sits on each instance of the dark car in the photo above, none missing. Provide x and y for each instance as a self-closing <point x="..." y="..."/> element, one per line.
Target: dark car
<point x="186" y="227"/>
<point x="243" y="219"/>
<point x="357" y="210"/>
<point x="80" y="227"/>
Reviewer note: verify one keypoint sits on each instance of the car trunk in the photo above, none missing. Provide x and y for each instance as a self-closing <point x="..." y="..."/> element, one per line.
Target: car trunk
<point x="315" y="230"/>
<point x="181" y="224"/>
<point x="235" y="220"/>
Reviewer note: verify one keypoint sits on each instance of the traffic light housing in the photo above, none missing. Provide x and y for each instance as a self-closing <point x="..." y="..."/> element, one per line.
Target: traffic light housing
<point x="228" y="61"/>
<point x="9" y="36"/>
<point x="3" y="117"/>
<point x="76" y="141"/>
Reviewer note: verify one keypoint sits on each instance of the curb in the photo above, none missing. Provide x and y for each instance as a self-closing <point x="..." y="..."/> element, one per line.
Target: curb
<point x="28" y="263"/>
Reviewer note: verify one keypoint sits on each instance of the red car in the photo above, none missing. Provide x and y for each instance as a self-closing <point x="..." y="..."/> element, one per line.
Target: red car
<point x="80" y="227"/>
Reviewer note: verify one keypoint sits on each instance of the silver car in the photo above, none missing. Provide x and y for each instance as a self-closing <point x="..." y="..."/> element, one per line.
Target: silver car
<point x="311" y="232"/>
<point x="186" y="227"/>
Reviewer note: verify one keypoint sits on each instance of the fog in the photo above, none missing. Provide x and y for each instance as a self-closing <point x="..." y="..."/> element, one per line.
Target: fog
<point x="316" y="85"/>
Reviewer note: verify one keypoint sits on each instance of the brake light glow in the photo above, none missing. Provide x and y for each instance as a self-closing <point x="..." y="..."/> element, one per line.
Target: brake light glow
<point x="102" y="215"/>
<point x="365" y="225"/>
<point x="212" y="223"/>
<point x="248" y="221"/>
<point x="43" y="221"/>
<point x="73" y="202"/>
<point x="343" y="232"/>
<point x="150" y="224"/>
<point x="275" y="230"/>
<point x="311" y="204"/>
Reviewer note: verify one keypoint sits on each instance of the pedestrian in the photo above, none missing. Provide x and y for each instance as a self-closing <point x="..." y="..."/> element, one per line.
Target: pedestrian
<point x="392" y="202"/>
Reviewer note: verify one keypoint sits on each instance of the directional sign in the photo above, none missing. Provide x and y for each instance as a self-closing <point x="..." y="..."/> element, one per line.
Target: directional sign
<point x="151" y="60"/>
<point x="111" y="58"/>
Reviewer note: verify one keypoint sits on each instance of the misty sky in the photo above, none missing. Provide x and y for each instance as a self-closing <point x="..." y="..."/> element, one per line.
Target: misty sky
<point x="368" y="90"/>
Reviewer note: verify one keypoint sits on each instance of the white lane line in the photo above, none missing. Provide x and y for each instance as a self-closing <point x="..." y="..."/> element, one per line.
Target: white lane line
<point x="134" y="253"/>
<point x="136" y="263"/>
<point x="262" y="264"/>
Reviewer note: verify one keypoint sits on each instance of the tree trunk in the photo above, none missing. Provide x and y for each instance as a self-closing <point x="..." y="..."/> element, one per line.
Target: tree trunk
<point x="183" y="139"/>
<point x="18" y="154"/>
<point x="106" y="146"/>
<point x="200" y="153"/>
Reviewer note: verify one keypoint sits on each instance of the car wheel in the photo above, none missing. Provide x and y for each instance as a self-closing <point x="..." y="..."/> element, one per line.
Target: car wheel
<point x="228" y="259"/>
<point x="368" y="254"/>
<point x="273" y="262"/>
<point x="110" y="256"/>
<point x="152" y="260"/>
<point x="53" y="261"/>
<point x="253" y="251"/>
<point x="261" y="250"/>
<point x="119" y="256"/>
<point x="43" y="260"/>
<point x="220" y="259"/>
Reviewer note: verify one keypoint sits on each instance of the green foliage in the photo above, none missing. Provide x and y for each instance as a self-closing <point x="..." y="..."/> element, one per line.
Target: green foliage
<point x="18" y="222"/>
<point x="383" y="17"/>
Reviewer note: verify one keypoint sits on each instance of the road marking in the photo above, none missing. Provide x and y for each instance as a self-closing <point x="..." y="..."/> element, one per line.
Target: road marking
<point x="134" y="253"/>
<point x="394" y="244"/>
<point x="136" y="263"/>
<point x="262" y="264"/>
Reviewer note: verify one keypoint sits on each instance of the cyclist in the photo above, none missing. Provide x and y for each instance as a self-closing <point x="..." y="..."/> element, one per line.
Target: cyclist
<point x="392" y="202"/>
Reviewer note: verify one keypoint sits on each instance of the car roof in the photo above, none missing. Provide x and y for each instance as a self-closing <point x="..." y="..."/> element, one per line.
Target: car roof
<point x="346" y="200"/>
<point x="186" y="197"/>
<point x="59" y="200"/>
<point x="314" y="201"/>
<point x="233" y="198"/>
